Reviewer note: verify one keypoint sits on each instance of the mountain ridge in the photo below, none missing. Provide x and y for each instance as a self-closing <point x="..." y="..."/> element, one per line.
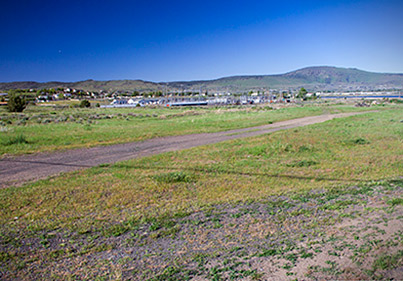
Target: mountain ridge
<point x="312" y="78"/>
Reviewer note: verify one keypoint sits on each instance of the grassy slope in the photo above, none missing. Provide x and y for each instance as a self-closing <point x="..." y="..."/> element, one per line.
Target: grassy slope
<point x="122" y="127"/>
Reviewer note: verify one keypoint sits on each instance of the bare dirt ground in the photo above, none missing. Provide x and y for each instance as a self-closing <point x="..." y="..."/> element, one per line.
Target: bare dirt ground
<point x="20" y="169"/>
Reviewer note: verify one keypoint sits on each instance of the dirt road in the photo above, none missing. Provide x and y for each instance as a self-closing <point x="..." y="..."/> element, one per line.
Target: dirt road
<point x="20" y="169"/>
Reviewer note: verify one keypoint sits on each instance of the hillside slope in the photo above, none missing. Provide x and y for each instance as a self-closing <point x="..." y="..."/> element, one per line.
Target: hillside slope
<point x="312" y="78"/>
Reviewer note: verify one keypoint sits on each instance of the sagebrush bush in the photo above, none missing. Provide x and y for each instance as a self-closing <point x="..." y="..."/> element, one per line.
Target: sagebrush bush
<point x="85" y="103"/>
<point x="16" y="103"/>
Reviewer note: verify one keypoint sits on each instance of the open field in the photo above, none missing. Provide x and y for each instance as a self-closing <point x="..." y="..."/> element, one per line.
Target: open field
<point x="46" y="129"/>
<point x="323" y="201"/>
<point x="16" y="170"/>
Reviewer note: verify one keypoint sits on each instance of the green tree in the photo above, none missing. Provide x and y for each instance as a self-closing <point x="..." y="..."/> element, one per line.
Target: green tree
<point x="302" y="93"/>
<point x="16" y="103"/>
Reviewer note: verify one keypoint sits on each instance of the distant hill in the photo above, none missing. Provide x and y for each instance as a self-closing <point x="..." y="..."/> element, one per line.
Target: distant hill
<point x="312" y="78"/>
<point x="88" y="85"/>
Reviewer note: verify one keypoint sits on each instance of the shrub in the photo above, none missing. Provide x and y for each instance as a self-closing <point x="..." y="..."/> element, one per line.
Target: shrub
<point x="85" y="103"/>
<point x="396" y="101"/>
<point x="16" y="103"/>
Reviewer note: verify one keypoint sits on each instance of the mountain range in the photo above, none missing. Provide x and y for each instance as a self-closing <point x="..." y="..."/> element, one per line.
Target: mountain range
<point x="318" y="78"/>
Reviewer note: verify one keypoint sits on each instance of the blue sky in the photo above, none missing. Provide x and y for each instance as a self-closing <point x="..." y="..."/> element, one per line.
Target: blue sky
<point x="72" y="40"/>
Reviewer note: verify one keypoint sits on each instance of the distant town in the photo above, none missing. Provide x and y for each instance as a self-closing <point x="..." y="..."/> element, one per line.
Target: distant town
<point x="190" y="98"/>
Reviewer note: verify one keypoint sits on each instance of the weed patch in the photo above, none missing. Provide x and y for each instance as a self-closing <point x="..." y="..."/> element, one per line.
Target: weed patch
<point x="358" y="141"/>
<point x="303" y="163"/>
<point x="395" y="201"/>
<point x="115" y="230"/>
<point x="175" y="177"/>
<point x="19" y="139"/>
<point x="305" y="148"/>
<point x="389" y="261"/>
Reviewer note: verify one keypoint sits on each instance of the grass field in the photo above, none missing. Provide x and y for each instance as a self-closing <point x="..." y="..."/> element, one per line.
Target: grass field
<point x="100" y="220"/>
<point x="47" y="129"/>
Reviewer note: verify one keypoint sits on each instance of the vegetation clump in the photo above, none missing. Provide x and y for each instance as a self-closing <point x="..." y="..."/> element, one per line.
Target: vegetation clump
<point x="174" y="177"/>
<point x="388" y="261"/>
<point x="360" y="141"/>
<point x="303" y="163"/>
<point x="16" y="103"/>
<point x="302" y="93"/>
<point x="85" y="103"/>
<point x="19" y="139"/>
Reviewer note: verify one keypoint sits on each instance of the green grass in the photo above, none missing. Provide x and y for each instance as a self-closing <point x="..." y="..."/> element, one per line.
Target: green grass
<point x="176" y="182"/>
<point x="175" y="177"/>
<point x="15" y="140"/>
<point x="303" y="163"/>
<point x="49" y="129"/>
<point x="388" y="261"/>
<point x="395" y="201"/>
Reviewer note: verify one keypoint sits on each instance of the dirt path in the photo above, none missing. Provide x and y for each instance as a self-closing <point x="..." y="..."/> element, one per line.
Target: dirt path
<point x="20" y="169"/>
